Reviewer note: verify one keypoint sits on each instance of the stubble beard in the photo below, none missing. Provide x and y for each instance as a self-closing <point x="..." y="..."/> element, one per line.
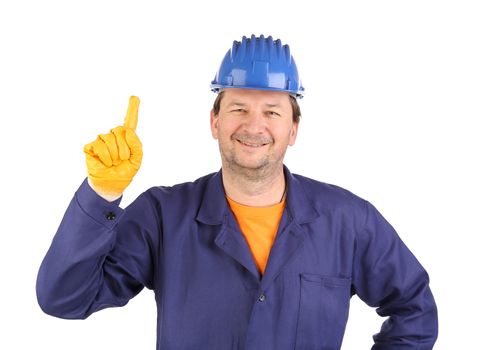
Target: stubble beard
<point x="263" y="169"/>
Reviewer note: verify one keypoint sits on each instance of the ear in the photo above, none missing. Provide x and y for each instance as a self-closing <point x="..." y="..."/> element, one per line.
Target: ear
<point x="214" y="124"/>
<point x="293" y="133"/>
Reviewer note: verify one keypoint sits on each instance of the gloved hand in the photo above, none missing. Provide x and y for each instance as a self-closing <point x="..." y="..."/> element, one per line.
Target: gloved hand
<point x="113" y="159"/>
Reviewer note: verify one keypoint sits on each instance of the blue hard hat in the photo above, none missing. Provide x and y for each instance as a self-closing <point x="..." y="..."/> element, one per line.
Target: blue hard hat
<point x="261" y="64"/>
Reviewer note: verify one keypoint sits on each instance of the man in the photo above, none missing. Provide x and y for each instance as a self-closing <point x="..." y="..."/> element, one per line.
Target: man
<point x="251" y="257"/>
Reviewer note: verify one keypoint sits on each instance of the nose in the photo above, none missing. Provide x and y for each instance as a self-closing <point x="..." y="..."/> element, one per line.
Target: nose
<point x="255" y="122"/>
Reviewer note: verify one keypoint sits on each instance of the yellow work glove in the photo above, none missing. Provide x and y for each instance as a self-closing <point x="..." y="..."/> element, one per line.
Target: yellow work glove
<point x="113" y="159"/>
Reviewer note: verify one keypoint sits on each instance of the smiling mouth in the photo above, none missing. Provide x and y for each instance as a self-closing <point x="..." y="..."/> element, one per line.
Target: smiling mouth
<point x="254" y="145"/>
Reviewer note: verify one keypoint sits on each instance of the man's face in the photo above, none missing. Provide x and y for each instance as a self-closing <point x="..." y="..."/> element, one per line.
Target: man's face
<point x="254" y="128"/>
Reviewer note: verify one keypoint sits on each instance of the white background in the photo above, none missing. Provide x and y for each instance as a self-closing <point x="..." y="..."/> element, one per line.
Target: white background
<point x="402" y="109"/>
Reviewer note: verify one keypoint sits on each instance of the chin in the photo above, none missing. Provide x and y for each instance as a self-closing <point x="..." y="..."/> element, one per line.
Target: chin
<point x="253" y="166"/>
<point x="249" y="165"/>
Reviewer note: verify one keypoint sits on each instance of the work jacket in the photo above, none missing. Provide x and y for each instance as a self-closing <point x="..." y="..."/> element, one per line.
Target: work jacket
<point x="184" y="243"/>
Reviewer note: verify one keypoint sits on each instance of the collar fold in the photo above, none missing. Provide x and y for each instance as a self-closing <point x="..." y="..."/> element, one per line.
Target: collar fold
<point x="214" y="206"/>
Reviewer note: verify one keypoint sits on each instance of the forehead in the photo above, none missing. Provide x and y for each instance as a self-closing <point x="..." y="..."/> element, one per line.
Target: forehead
<point x="248" y="96"/>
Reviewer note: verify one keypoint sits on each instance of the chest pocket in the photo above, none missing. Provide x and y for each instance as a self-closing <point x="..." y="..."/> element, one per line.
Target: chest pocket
<point x="323" y="312"/>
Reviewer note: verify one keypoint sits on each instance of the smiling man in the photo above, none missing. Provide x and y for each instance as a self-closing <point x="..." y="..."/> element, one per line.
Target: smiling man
<point x="252" y="257"/>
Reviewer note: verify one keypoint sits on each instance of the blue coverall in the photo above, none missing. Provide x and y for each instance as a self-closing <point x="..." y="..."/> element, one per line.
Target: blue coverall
<point x="184" y="243"/>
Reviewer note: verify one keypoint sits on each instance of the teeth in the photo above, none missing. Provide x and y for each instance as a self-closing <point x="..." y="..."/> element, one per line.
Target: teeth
<point x="251" y="145"/>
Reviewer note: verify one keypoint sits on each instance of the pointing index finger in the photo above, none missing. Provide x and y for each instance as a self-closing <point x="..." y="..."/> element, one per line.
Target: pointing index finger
<point x="132" y="113"/>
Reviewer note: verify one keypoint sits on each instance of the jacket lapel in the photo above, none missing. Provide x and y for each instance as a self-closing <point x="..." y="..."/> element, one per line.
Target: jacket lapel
<point x="214" y="210"/>
<point x="232" y="242"/>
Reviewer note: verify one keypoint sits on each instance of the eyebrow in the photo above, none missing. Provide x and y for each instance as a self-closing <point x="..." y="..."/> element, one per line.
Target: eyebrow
<point x="236" y="103"/>
<point x="271" y="105"/>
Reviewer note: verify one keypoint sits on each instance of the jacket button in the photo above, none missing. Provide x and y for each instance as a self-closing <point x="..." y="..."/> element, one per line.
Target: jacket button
<point x="110" y="215"/>
<point x="262" y="297"/>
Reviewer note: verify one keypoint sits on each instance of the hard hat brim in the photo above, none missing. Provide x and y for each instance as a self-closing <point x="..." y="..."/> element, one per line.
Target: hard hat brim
<point x="217" y="88"/>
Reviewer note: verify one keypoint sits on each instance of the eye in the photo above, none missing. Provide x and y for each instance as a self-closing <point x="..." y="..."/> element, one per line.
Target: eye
<point x="273" y="114"/>
<point x="238" y="110"/>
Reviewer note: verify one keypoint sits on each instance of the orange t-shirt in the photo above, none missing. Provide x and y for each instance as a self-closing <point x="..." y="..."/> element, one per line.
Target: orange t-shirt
<point x="259" y="226"/>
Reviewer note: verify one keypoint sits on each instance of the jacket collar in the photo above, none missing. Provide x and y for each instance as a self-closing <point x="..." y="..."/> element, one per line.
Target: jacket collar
<point x="214" y="206"/>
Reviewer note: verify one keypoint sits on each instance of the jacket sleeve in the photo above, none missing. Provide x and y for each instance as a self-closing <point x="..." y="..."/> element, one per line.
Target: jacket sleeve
<point x="101" y="256"/>
<point x="387" y="276"/>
